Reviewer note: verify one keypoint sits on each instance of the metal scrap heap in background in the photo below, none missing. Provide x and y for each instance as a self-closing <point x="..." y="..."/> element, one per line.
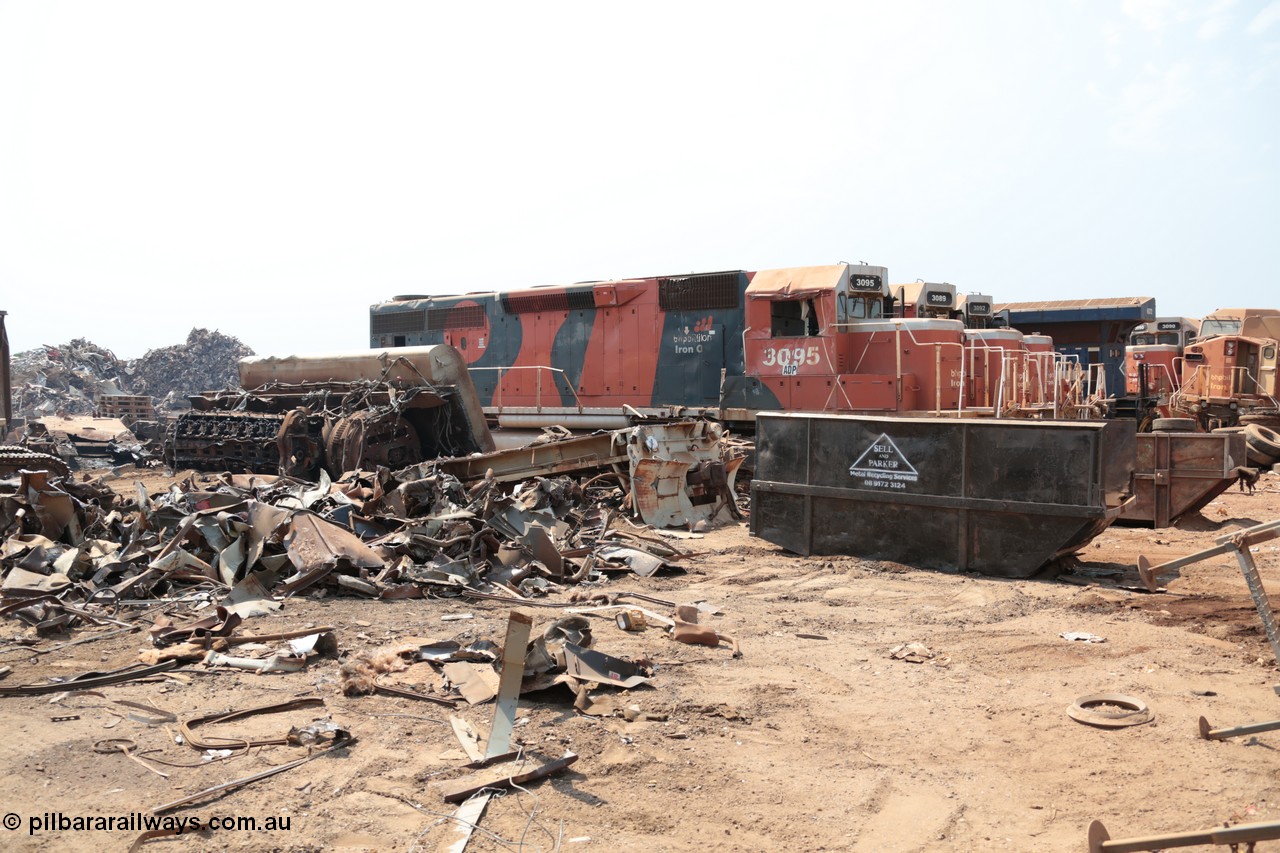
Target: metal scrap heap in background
<point x="72" y="551"/>
<point x="171" y="374"/>
<point x="72" y="378"/>
<point x="66" y="379"/>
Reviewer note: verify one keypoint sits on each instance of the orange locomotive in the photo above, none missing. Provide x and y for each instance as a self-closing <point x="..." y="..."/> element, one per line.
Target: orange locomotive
<point x="1153" y="363"/>
<point x="1230" y="370"/>
<point x="729" y="344"/>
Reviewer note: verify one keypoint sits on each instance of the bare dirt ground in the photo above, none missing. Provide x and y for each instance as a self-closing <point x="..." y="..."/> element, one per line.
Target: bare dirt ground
<point x="802" y="744"/>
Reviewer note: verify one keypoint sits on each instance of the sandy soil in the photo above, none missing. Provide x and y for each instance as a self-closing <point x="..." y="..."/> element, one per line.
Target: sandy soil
<point x="802" y="744"/>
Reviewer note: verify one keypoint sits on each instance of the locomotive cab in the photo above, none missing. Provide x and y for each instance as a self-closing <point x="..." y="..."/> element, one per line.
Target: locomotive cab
<point x="920" y="299"/>
<point x="824" y="339"/>
<point x="1153" y="357"/>
<point x="1231" y="368"/>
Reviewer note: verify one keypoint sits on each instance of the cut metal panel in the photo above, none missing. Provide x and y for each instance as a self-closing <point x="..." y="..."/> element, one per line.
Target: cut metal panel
<point x="316" y="546"/>
<point x="658" y="487"/>
<point x="465" y="819"/>
<point x="84" y="427"/>
<point x="591" y="666"/>
<point x="513" y="652"/>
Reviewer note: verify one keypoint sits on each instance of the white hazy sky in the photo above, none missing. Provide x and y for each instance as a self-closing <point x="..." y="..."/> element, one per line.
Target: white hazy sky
<point x="270" y="169"/>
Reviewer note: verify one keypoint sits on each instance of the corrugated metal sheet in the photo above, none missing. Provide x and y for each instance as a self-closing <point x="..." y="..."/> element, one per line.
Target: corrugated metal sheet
<point x="1061" y="304"/>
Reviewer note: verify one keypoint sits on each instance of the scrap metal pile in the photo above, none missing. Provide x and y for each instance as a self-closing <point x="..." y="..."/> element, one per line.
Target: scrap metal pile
<point x="72" y="378"/>
<point x="73" y="551"/>
<point x="171" y="374"/>
<point x="66" y="379"/>
<point x="189" y="565"/>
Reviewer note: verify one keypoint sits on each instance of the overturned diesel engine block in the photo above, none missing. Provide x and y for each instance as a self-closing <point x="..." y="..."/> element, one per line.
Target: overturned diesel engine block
<point x="337" y="412"/>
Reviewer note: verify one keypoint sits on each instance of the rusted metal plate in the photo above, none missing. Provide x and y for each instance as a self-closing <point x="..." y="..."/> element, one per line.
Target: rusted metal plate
<point x="84" y="428"/>
<point x="681" y="473"/>
<point x="580" y="453"/>
<point x="316" y="546"/>
<point x="1176" y="473"/>
<point x="1000" y="497"/>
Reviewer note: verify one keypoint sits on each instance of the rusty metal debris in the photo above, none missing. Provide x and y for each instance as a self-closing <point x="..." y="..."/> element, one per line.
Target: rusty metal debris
<point x="513" y="656"/>
<point x="1110" y="711"/>
<point x="1240" y="542"/>
<point x="87" y="435"/>
<point x="79" y="378"/>
<point x="1209" y="733"/>
<point x="1081" y="637"/>
<point x="502" y="777"/>
<point x="128" y="749"/>
<point x="591" y="666"/>
<point x="1100" y="840"/>
<point x="89" y="680"/>
<point x="679" y="474"/>
<point x="74" y="550"/>
<point x="685" y="629"/>
<point x="186" y="728"/>
<point x="301" y="415"/>
<point x="912" y="653"/>
<point x="337" y="738"/>
<point x="64" y="379"/>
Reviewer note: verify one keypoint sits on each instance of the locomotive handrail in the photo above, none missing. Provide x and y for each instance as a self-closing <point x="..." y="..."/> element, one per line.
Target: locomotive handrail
<point x="538" y="390"/>
<point x="937" y="379"/>
<point x="1097" y="384"/>
<point x="1177" y="400"/>
<point x="898" y="329"/>
<point x="1199" y="377"/>
<point x="1257" y="386"/>
<point x="1009" y="358"/>
<point x="1010" y="363"/>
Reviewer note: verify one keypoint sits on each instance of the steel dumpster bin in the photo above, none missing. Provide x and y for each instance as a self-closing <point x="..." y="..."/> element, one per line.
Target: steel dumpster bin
<point x="1176" y="473"/>
<point x="1000" y="497"/>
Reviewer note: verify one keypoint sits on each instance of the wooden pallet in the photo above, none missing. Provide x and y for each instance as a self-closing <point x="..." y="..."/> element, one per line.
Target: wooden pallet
<point x="127" y="407"/>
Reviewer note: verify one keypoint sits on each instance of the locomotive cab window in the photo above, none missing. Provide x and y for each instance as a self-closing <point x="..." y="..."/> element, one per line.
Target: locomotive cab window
<point x="850" y="308"/>
<point x="865" y="308"/>
<point x="793" y="318"/>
